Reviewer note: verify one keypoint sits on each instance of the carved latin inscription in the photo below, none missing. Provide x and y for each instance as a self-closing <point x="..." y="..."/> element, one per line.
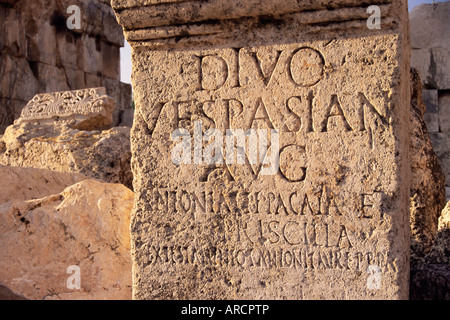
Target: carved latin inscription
<point x="304" y="66"/>
<point x="223" y="101"/>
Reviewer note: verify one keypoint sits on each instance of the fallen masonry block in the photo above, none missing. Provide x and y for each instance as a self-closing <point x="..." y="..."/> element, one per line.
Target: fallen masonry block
<point x="87" y="109"/>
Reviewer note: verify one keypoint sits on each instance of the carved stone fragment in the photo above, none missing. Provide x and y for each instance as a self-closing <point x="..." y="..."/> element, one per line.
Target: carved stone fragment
<point x="87" y="109"/>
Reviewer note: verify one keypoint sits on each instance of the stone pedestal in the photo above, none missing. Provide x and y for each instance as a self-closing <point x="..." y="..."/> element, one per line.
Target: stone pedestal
<point x="270" y="149"/>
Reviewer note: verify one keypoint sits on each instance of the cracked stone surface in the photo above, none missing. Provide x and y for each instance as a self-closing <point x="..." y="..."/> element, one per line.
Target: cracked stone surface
<point x="34" y="39"/>
<point x="20" y="184"/>
<point x="86" y="225"/>
<point x="103" y="155"/>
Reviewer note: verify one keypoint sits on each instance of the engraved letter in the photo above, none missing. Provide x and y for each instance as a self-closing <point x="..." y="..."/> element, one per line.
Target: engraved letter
<point x="212" y="72"/>
<point x="266" y="79"/>
<point x="335" y="110"/>
<point x="181" y="153"/>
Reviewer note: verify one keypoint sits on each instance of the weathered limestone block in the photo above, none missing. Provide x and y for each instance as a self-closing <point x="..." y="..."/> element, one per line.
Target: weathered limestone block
<point x="441" y="60"/>
<point x="430" y="26"/>
<point x="319" y="213"/>
<point x="12" y="109"/>
<point x="21" y="184"/>
<point x="86" y="109"/>
<point x="35" y="39"/>
<point x="110" y="61"/>
<point x="86" y="226"/>
<point x="421" y="60"/>
<point x="427" y="197"/>
<point x="76" y="79"/>
<point x="121" y="93"/>
<point x="69" y="48"/>
<point x="93" y="80"/>
<point x="43" y="46"/>
<point x="103" y="155"/>
<point x="127" y="118"/>
<point x="433" y="65"/>
<point x="90" y="57"/>
<point x="16" y="85"/>
<point x="98" y="19"/>
<point x="51" y="78"/>
<point x="14" y="34"/>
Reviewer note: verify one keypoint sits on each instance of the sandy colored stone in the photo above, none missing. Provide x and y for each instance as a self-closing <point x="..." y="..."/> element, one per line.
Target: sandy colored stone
<point x="87" y="109"/>
<point x="421" y="60"/>
<point x="122" y="93"/>
<point x="427" y="193"/>
<point x="40" y="54"/>
<point x="103" y="155"/>
<point x="86" y="225"/>
<point x="16" y="85"/>
<point x="430" y="43"/>
<point x="20" y="184"/>
<point x="441" y="60"/>
<point x="335" y="215"/>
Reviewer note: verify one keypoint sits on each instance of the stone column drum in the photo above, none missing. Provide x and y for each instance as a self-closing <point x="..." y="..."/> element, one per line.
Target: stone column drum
<point x="312" y="203"/>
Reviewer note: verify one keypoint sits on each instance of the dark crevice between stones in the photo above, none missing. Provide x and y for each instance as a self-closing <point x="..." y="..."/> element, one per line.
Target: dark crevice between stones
<point x="7" y="294"/>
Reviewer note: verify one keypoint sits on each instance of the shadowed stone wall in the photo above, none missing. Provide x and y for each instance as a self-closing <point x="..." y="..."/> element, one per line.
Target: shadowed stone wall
<point x="430" y="29"/>
<point x="38" y="53"/>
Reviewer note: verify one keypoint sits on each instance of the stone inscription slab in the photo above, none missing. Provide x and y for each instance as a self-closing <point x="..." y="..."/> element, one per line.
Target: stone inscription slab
<point x="270" y="159"/>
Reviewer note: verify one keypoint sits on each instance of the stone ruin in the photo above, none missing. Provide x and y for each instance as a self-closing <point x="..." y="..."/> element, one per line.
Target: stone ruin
<point x="430" y="231"/>
<point x="56" y="209"/>
<point x="334" y="214"/>
<point x="62" y="131"/>
<point x="430" y="55"/>
<point x="64" y="199"/>
<point x="39" y="54"/>
<point x="340" y="198"/>
<point x="87" y="109"/>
